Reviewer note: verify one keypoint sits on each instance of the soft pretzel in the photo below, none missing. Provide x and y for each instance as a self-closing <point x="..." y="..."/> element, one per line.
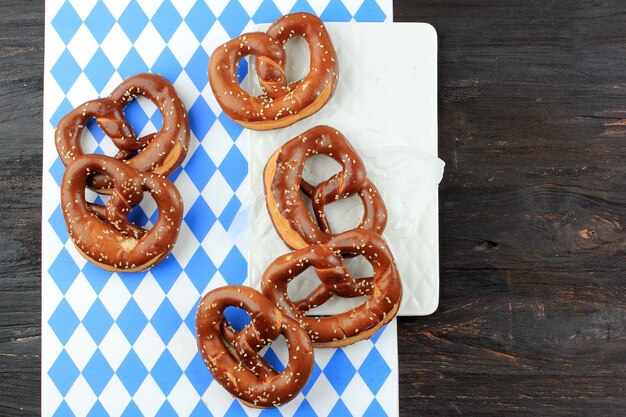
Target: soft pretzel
<point x="103" y="235"/>
<point x="160" y="152"/>
<point x="284" y="184"/>
<point x="233" y="357"/>
<point x="384" y="289"/>
<point x="282" y="103"/>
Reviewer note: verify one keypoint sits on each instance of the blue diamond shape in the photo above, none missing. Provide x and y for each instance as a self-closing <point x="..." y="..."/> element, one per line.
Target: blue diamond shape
<point x="63" y="270"/>
<point x="132" y="321"/>
<point x="138" y="216"/>
<point x="302" y="6"/>
<point x="132" y="372"/>
<point x="201" y="118"/>
<point x="234" y="18"/>
<point x="234" y="168"/>
<point x="198" y="374"/>
<point x="98" y="372"/>
<point x="375" y="410"/>
<point x="98" y="410"/>
<point x="273" y="412"/>
<point x="237" y="317"/>
<point x="58" y="224"/>
<point x="166" y="20"/>
<point x="166" y="321"/>
<point x="65" y="71"/>
<point x="99" y="70"/>
<point x="176" y="173"/>
<point x="242" y="70"/>
<point x="157" y="119"/>
<point x="273" y="359"/>
<point x="190" y="320"/>
<point x="166" y="372"/>
<point x="200" y="219"/>
<point x="340" y="410"/>
<point x="95" y="130"/>
<point x="235" y="410"/>
<point x="64" y="108"/>
<point x="167" y="65"/>
<point x="96" y="276"/>
<point x="339" y="371"/>
<point x="336" y="12"/>
<point x="166" y="273"/>
<point x="314" y="375"/>
<point x="132" y="410"/>
<point x="267" y="12"/>
<point x="166" y="410"/>
<point x="234" y="269"/>
<point x="133" y="21"/>
<point x="132" y="279"/>
<point x="97" y="321"/>
<point x="233" y="129"/>
<point x="201" y="410"/>
<point x="197" y="68"/>
<point x="100" y="21"/>
<point x="66" y="22"/>
<point x="63" y="410"/>
<point x="305" y="410"/>
<point x="135" y="116"/>
<point x="370" y="11"/>
<point x="132" y="64"/>
<point x="57" y="170"/>
<point x="63" y="372"/>
<point x="63" y="321"/>
<point x="374" y="371"/>
<point x="200" y="20"/>
<point x="229" y="212"/>
<point x="200" y="269"/>
<point x="200" y="168"/>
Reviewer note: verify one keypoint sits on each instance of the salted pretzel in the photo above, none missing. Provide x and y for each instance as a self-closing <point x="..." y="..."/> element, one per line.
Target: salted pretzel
<point x="233" y="357"/>
<point x="282" y="103"/>
<point x="103" y="235"/>
<point x="384" y="289"/>
<point x="160" y="152"/>
<point x="284" y="183"/>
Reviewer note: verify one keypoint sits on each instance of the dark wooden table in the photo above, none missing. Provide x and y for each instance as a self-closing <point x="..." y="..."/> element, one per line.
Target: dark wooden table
<point x="532" y="118"/>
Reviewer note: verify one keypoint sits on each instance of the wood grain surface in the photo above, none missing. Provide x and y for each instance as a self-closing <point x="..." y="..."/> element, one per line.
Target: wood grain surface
<point x="532" y="119"/>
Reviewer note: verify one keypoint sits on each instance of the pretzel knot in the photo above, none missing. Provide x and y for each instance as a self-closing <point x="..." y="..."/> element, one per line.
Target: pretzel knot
<point x="103" y="234"/>
<point x="282" y="103"/>
<point x="159" y="153"/>
<point x="384" y="289"/>
<point x="233" y="357"/>
<point x="284" y="184"/>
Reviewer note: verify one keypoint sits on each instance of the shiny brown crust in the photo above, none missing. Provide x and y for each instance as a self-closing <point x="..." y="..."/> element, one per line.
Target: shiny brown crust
<point x="103" y="235"/>
<point x="282" y="103"/>
<point x="160" y="153"/>
<point x="233" y="358"/>
<point x="384" y="288"/>
<point x="284" y="183"/>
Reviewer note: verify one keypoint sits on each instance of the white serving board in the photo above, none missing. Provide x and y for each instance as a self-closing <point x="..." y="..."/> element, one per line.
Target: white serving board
<point x="386" y="105"/>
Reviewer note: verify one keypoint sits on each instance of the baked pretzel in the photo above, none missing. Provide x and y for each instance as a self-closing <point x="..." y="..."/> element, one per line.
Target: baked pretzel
<point x="103" y="235"/>
<point x="283" y="183"/>
<point x="384" y="288"/>
<point x="233" y="357"/>
<point x="282" y="103"/>
<point x="160" y="152"/>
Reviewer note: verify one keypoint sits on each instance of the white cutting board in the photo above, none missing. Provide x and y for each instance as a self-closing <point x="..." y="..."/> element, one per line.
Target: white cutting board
<point x="386" y="105"/>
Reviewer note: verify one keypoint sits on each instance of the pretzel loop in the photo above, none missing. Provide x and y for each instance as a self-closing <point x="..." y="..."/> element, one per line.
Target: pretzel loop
<point x="104" y="235"/>
<point x="358" y="323"/>
<point x="160" y="152"/>
<point x="281" y="103"/>
<point x="233" y="357"/>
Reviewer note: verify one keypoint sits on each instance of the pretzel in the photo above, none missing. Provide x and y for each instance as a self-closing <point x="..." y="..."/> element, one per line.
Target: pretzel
<point x="103" y="235"/>
<point x="282" y="103"/>
<point x="233" y="358"/>
<point x="384" y="288"/>
<point x="160" y="152"/>
<point x="283" y="183"/>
